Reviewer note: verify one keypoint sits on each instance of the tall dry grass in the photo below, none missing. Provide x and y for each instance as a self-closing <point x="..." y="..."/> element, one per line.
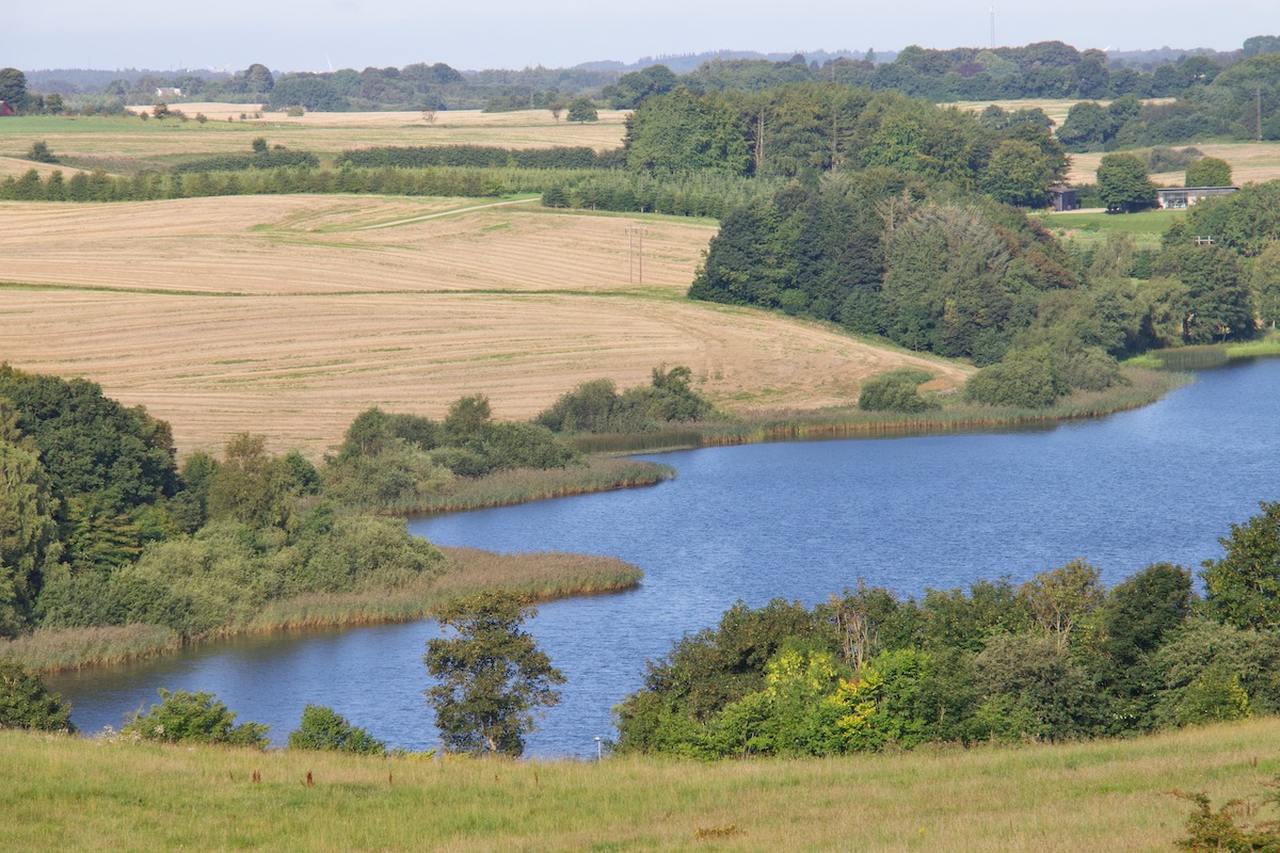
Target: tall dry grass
<point x="52" y="650"/>
<point x="69" y="793"/>
<point x="504" y="488"/>
<point x="539" y="576"/>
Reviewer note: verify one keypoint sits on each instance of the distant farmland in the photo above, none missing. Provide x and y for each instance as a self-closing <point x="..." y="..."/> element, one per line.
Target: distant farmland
<point x="287" y="315"/>
<point x="1250" y="162"/>
<point x="127" y="143"/>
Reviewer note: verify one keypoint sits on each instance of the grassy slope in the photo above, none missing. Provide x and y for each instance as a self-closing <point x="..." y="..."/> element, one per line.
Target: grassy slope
<point x="71" y="793"/>
<point x="1146" y="227"/>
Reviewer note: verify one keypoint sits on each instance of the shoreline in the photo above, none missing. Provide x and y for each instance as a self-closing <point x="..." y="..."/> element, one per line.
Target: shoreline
<point x="535" y="577"/>
<point x="609" y="468"/>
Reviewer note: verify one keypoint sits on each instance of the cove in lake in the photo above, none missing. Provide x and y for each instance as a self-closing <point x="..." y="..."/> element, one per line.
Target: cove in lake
<point x="792" y="520"/>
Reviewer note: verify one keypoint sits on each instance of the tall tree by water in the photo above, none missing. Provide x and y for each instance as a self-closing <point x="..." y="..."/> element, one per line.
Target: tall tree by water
<point x="493" y="678"/>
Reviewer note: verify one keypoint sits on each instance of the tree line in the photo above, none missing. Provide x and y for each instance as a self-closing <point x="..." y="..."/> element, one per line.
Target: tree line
<point x="937" y="269"/>
<point x="1055" y="658"/>
<point x="1242" y="102"/>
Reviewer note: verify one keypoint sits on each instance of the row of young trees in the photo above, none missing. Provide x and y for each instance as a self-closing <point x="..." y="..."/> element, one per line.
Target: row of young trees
<point x="1055" y="658"/>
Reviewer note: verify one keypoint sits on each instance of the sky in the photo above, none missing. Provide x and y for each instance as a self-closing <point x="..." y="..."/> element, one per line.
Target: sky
<point x="300" y="36"/>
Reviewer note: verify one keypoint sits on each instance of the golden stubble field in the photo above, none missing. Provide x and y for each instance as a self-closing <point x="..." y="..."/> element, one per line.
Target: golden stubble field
<point x="288" y="315"/>
<point x="1251" y="162"/>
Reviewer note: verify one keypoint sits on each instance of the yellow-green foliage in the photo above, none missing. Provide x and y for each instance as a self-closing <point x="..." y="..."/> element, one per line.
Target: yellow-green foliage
<point x="67" y="793"/>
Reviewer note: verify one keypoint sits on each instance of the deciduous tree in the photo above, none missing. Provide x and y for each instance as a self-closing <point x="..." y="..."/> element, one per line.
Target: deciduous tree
<point x="492" y="677"/>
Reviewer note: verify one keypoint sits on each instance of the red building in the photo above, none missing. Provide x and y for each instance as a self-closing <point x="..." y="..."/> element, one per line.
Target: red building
<point x="6" y="110"/>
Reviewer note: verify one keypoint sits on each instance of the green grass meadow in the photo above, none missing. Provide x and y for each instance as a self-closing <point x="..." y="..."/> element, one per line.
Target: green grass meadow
<point x="71" y="793"/>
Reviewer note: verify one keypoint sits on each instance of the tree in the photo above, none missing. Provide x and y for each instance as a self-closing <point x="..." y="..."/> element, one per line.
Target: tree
<point x="582" y="109"/>
<point x="1059" y="600"/>
<point x="1123" y="184"/>
<point x="259" y="145"/>
<point x="1033" y="688"/>
<point x="1243" y="588"/>
<point x="258" y="79"/>
<point x="28" y="534"/>
<point x="324" y="729"/>
<point x="1209" y="172"/>
<point x="1218" y="300"/>
<point x="631" y="89"/>
<point x="13" y="88"/>
<point x="40" y="153"/>
<point x="1266" y="285"/>
<point x="25" y="703"/>
<point x="683" y="132"/>
<point x="493" y="678"/>
<point x="556" y="108"/>
<point x="1018" y="173"/>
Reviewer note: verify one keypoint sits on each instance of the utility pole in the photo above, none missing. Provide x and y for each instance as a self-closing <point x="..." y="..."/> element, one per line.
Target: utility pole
<point x="760" y="141"/>
<point x="635" y="254"/>
<point x="993" y="27"/>
<point x="1257" y="106"/>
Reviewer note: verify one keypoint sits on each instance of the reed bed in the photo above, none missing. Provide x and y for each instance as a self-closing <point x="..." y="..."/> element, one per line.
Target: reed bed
<point x="59" y="650"/>
<point x="533" y="576"/>
<point x="1144" y="385"/>
<point x="505" y="488"/>
<point x="1208" y="356"/>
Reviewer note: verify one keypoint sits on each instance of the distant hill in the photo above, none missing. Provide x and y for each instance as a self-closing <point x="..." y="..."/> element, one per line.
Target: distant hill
<point x="683" y="63"/>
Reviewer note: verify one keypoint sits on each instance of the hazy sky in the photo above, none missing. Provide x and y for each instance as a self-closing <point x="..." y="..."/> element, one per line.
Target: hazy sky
<point x="294" y="35"/>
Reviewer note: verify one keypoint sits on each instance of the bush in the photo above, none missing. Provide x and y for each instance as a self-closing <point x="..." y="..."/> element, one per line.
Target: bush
<point x="324" y="729"/>
<point x="1026" y="378"/>
<point x="40" y="152"/>
<point x="183" y="717"/>
<point x="1162" y="159"/>
<point x="25" y="703"/>
<point x="896" y="391"/>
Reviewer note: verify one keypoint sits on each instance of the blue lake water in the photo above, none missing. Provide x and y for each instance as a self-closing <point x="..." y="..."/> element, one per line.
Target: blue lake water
<point x="799" y="520"/>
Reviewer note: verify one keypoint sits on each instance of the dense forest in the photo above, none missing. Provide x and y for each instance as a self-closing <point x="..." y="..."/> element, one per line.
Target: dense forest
<point x="936" y="268"/>
<point x="1055" y="658"/>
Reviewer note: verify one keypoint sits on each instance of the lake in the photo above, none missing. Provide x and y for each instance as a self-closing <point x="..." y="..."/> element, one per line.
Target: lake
<point x="798" y="520"/>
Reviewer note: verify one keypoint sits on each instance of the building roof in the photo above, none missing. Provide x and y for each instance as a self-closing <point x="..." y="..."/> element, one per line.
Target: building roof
<point x="1194" y="189"/>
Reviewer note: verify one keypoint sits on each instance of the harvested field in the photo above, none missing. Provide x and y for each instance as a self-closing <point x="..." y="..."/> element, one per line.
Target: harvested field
<point x="323" y="244"/>
<point x="128" y="144"/>
<point x="17" y="166"/>
<point x="1055" y="108"/>
<point x="1251" y="162"/>
<point x="272" y="314"/>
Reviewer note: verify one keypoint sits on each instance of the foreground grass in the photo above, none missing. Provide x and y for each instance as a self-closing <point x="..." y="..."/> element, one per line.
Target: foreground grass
<point x="69" y="793"/>
<point x="536" y="576"/>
